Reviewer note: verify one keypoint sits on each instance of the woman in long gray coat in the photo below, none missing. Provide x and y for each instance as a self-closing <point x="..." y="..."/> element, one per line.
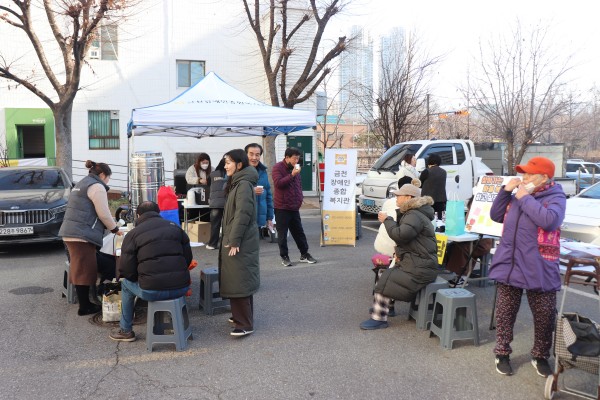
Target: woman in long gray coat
<point x="238" y="257"/>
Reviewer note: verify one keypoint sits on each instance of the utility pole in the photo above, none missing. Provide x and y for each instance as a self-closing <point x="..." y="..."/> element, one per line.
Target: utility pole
<point x="427" y="135"/>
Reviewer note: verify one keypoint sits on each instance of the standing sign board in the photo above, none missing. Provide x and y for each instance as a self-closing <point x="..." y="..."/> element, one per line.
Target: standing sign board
<point x="478" y="220"/>
<point x="338" y="216"/>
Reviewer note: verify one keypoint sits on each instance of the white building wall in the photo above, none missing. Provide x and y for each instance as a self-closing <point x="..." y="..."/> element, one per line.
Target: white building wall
<point x="150" y="41"/>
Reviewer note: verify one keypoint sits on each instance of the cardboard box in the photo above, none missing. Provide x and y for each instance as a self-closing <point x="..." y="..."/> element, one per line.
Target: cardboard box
<point x="198" y="231"/>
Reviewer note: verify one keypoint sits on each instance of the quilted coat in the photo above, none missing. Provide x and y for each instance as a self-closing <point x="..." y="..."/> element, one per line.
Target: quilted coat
<point x="518" y="260"/>
<point x="240" y="274"/>
<point x="416" y="249"/>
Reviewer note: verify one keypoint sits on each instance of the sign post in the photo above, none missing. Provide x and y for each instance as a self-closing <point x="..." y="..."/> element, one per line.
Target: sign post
<point x="338" y="216"/>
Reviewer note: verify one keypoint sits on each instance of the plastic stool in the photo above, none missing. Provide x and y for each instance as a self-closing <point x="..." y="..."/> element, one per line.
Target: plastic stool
<point x="158" y="323"/>
<point x="421" y="308"/>
<point x="210" y="298"/>
<point x="449" y="321"/>
<point x="68" y="290"/>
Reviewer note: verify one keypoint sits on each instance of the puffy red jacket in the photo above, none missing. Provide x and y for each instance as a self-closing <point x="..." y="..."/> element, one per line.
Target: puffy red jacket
<point x="167" y="200"/>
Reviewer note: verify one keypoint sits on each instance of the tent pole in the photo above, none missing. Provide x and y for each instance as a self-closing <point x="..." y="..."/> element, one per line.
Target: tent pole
<point x="320" y="200"/>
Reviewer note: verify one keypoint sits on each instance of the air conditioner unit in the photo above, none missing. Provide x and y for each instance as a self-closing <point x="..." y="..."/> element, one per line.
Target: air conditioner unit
<point x="94" y="53"/>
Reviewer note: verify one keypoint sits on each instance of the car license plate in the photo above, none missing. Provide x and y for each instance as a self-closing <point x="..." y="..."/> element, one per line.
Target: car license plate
<point x="21" y="230"/>
<point x="369" y="202"/>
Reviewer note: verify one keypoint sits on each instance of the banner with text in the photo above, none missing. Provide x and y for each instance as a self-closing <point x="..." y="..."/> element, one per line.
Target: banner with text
<point x="478" y="220"/>
<point x="339" y="198"/>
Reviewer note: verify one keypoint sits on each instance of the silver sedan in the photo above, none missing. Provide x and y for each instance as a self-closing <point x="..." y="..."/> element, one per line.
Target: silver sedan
<point x="582" y="217"/>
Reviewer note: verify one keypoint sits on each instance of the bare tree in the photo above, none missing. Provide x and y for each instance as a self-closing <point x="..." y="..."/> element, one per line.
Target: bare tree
<point x="330" y="137"/>
<point x="74" y="24"/>
<point x="400" y="111"/>
<point x="279" y="37"/>
<point x="519" y="88"/>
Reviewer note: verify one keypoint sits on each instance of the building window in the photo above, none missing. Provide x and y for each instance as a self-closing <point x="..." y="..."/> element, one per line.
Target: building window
<point x="103" y="127"/>
<point x="105" y="45"/>
<point x="189" y="72"/>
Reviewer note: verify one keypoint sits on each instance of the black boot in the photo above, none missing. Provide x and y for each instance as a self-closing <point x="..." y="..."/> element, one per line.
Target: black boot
<point x="85" y="306"/>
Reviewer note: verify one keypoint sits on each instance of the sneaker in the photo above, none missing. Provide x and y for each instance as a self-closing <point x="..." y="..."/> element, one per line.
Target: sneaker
<point x="458" y="282"/>
<point x="209" y="247"/>
<point x="285" y="261"/>
<point x="541" y="366"/>
<point x="230" y="320"/>
<point x="503" y="365"/>
<point x="307" y="258"/>
<point x="372" y="324"/>
<point x="241" y="332"/>
<point x="121" y="336"/>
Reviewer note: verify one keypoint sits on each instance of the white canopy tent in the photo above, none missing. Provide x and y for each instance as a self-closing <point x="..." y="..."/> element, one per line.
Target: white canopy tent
<point x="212" y="108"/>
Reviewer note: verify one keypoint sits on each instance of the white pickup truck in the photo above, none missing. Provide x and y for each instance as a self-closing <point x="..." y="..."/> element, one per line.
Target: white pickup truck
<point x="463" y="170"/>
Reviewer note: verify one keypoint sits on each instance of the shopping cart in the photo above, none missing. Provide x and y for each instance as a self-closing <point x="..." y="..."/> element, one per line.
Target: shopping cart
<point x="564" y="359"/>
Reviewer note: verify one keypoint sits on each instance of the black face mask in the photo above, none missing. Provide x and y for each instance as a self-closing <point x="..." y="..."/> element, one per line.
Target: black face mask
<point x="290" y="166"/>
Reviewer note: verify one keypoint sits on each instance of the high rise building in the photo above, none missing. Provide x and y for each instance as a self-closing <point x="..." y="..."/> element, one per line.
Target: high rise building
<point x="391" y="53"/>
<point x="356" y="76"/>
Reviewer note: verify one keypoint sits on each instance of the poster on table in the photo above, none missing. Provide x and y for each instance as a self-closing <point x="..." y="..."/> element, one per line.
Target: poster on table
<point x="339" y="198"/>
<point x="478" y="220"/>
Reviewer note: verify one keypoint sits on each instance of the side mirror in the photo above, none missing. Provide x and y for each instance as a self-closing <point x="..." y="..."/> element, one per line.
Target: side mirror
<point x="420" y="164"/>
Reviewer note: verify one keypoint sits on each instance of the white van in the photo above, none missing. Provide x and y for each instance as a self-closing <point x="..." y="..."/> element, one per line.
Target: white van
<point x="458" y="159"/>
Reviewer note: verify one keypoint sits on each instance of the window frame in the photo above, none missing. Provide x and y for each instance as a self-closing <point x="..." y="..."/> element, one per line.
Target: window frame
<point x="104" y="139"/>
<point x="189" y="72"/>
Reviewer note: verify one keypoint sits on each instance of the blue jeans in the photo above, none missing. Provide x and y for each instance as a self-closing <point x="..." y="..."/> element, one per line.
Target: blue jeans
<point x="130" y="290"/>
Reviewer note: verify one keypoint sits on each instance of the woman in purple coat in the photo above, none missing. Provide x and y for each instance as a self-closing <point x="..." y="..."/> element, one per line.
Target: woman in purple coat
<point x="527" y="258"/>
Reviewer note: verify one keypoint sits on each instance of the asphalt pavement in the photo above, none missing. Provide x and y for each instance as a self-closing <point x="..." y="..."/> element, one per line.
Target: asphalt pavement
<point x="307" y="343"/>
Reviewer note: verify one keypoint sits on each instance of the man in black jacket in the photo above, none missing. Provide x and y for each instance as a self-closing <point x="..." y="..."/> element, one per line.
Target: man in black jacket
<point x="154" y="264"/>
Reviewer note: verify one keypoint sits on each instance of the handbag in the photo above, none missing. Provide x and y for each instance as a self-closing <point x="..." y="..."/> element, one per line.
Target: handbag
<point x="455" y="217"/>
<point x="111" y="302"/>
<point x="581" y="335"/>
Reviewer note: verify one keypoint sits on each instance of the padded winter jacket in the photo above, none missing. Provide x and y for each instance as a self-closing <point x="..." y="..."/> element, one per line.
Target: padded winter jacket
<point x="240" y="273"/>
<point x="156" y="253"/>
<point x="526" y="257"/>
<point x="264" y="202"/>
<point x="288" y="188"/>
<point x="416" y="249"/>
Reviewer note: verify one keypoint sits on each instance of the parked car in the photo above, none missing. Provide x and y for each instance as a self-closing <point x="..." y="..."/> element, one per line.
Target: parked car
<point x="462" y="166"/>
<point x="586" y="173"/>
<point x="33" y="201"/>
<point x="359" y="181"/>
<point x="582" y="220"/>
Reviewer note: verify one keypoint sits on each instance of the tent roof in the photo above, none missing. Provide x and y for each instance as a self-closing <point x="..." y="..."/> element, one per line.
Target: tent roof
<point x="213" y="108"/>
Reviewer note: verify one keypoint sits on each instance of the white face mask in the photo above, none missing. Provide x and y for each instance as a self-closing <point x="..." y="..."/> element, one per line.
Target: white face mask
<point x="204" y="166"/>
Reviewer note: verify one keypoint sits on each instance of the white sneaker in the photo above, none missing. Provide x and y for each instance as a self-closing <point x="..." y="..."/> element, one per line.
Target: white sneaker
<point x="208" y="247"/>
